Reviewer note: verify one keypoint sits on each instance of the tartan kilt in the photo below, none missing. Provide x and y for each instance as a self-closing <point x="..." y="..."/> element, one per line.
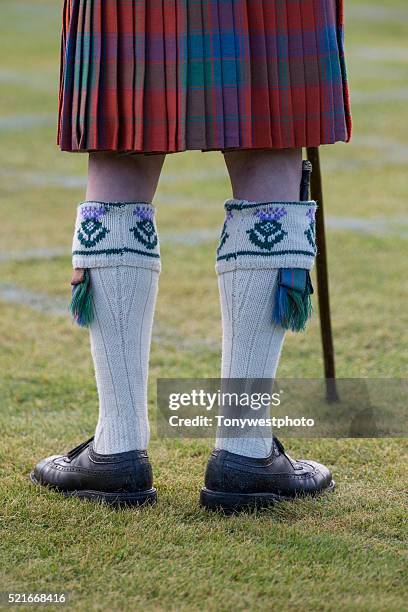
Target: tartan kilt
<point x="170" y="75"/>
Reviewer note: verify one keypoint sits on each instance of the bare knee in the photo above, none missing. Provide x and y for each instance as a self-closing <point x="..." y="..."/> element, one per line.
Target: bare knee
<point x="265" y="174"/>
<point x="117" y="177"/>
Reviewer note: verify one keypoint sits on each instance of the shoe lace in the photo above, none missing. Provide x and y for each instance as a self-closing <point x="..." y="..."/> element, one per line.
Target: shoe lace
<point x="279" y="445"/>
<point x="281" y="449"/>
<point x="78" y="449"/>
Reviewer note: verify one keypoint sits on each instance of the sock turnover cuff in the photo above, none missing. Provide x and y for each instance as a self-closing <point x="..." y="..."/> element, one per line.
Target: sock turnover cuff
<point x="267" y="235"/>
<point x="115" y="233"/>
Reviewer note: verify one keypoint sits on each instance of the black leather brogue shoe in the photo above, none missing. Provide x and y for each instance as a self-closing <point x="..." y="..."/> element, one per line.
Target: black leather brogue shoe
<point x="234" y="482"/>
<point x="119" y="479"/>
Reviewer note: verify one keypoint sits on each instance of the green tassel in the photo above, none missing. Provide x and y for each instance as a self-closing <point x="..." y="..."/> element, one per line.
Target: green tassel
<point x="293" y="304"/>
<point x="81" y="306"/>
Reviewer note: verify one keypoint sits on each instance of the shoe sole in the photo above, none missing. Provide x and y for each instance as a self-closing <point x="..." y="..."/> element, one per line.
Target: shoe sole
<point x="229" y="503"/>
<point x="137" y="498"/>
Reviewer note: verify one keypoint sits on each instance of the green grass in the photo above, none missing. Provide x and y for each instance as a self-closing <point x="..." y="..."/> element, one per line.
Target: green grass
<point x="347" y="551"/>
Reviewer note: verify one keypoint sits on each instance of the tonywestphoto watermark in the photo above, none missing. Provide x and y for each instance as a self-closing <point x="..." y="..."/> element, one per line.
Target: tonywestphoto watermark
<point x="311" y="408"/>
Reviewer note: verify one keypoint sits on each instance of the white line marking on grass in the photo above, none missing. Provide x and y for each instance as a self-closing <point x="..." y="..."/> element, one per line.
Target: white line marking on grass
<point x="38" y="82"/>
<point x="375" y="12"/>
<point x="379" y="54"/>
<point x="40" y="302"/>
<point x="383" y="74"/>
<point x="25" y="122"/>
<point x="374" y="227"/>
<point x="51" y="305"/>
<point x="31" y="254"/>
<point x="44" y="179"/>
<point x="389" y="95"/>
<point x="389" y="149"/>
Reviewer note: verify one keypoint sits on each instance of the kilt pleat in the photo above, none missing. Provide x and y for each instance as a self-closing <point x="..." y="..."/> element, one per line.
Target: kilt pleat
<point x="171" y="75"/>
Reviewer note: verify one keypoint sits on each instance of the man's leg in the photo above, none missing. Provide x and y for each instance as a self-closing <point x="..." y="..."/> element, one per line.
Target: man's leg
<point x="124" y="295"/>
<point x="266" y="250"/>
<point x="116" y="262"/>
<point x="265" y="176"/>
<point x="252" y="342"/>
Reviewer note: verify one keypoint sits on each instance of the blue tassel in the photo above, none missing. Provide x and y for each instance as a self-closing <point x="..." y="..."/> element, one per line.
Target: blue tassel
<point x="293" y="305"/>
<point x="81" y="306"/>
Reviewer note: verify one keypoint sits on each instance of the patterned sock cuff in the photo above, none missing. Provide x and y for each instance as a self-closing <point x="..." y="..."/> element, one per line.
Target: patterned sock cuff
<point x="115" y="233"/>
<point x="267" y="235"/>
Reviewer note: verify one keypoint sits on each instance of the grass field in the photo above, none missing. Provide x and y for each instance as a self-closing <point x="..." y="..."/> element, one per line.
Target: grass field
<point x="343" y="552"/>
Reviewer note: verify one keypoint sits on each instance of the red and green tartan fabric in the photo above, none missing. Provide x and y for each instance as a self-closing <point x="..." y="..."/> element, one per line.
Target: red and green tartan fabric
<point x="171" y="75"/>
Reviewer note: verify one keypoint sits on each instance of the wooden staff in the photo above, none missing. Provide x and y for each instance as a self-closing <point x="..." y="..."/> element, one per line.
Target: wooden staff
<point x="316" y="190"/>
